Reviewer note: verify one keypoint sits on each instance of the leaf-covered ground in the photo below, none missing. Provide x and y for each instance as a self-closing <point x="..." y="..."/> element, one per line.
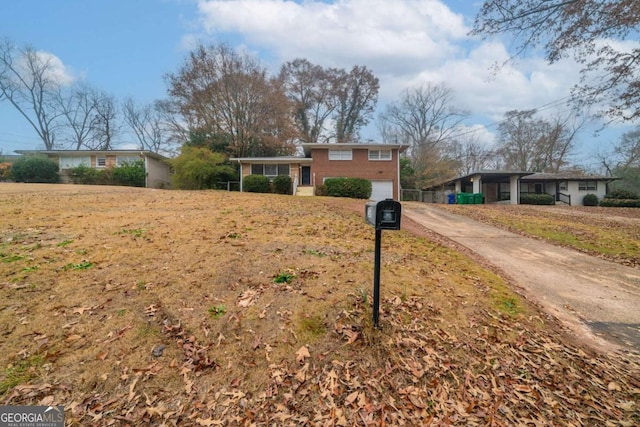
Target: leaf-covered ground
<point x="147" y="307"/>
<point x="610" y="233"/>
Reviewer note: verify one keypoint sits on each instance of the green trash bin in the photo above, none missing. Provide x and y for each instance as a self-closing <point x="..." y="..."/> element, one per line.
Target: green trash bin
<point x="478" y="198"/>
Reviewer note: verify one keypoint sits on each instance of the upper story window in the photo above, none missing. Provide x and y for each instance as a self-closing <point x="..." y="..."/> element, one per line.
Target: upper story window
<point x="72" y="162"/>
<point x="563" y="186"/>
<point x="340" y="155"/>
<point x="101" y="162"/>
<point x="379" y="154"/>
<point x="588" y="185"/>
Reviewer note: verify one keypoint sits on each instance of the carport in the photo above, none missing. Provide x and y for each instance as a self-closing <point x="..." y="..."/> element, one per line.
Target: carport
<point x="497" y="186"/>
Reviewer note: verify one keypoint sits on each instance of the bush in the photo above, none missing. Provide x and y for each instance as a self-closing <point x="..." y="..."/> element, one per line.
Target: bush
<point x="256" y="184"/>
<point x="321" y="190"/>
<point x="83" y="174"/>
<point x="282" y="184"/>
<point x="5" y="171"/>
<point x="35" y="169"/>
<point x="622" y="194"/>
<point x="537" y="199"/>
<point x="620" y="203"/>
<point x="356" y="188"/>
<point x="130" y="174"/>
<point x="198" y="168"/>
<point x="590" y="200"/>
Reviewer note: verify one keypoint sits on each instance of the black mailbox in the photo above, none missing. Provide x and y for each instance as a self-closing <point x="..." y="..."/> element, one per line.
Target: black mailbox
<point x="384" y="215"/>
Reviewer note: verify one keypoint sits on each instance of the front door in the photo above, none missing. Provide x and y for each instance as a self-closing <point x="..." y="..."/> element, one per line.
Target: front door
<point x="306" y="175"/>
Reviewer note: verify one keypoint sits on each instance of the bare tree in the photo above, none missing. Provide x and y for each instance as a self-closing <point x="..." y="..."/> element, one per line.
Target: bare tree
<point x="586" y="29"/>
<point x="424" y="118"/>
<point x="311" y="91"/>
<point x="105" y="122"/>
<point x="30" y="81"/>
<point x="147" y="125"/>
<point x="78" y="110"/>
<point x="221" y="92"/>
<point x="528" y="143"/>
<point x="356" y="96"/>
<point x="469" y="154"/>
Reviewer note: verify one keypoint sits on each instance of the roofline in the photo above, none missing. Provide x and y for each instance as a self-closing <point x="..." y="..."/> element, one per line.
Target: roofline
<point x="271" y="159"/>
<point x="146" y="153"/>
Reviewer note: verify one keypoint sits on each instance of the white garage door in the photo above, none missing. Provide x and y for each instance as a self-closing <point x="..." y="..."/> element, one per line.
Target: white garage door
<point x="381" y="190"/>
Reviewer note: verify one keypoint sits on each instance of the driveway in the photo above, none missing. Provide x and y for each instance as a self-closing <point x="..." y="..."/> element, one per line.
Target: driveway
<point x="599" y="300"/>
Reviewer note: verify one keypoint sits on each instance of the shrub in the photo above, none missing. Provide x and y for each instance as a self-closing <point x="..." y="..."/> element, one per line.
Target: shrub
<point x="5" y="171"/>
<point x="620" y="203"/>
<point x="35" y="169"/>
<point x="622" y="194"/>
<point x="537" y="199"/>
<point x="590" y="200"/>
<point x="282" y="184"/>
<point x="321" y="190"/>
<point x="198" y="168"/>
<point x="83" y="174"/>
<point x="131" y="174"/>
<point x="357" y="188"/>
<point x="256" y="184"/>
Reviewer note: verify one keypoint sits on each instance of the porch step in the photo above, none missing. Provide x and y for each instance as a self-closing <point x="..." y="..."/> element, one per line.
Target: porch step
<point x="305" y="191"/>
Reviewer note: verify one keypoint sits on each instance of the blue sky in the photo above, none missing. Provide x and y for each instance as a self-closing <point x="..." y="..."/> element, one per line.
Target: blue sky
<point x="125" y="47"/>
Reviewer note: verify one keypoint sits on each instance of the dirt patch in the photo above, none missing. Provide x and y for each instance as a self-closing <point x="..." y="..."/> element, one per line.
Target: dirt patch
<point x="135" y="306"/>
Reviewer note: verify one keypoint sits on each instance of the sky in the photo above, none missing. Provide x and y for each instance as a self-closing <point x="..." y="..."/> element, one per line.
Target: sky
<point x="126" y="47"/>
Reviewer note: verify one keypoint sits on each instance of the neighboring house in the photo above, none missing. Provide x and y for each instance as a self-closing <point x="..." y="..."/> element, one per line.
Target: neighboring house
<point x="507" y="186"/>
<point x="158" y="170"/>
<point x="379" y="163"/>
<point x="566" y="187"/>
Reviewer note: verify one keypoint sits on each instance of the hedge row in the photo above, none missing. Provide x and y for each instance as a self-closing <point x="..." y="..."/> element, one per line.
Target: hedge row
<point x="130" y="174"/>
<point x="356" y="188"/>
<point x="537" y="199"/>
<point x="620" y="203"/>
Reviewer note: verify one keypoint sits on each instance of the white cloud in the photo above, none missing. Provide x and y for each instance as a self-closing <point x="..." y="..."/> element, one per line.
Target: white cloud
<point x="54" y="69"/>
<point x="405" y="43"/>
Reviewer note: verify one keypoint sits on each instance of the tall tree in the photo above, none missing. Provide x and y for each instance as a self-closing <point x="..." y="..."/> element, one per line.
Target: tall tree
<point x="423" y="117"/>
<point x="590" y="30"/>
<point x="148" y="126"/>
<point x="30" y="81"/>
<point x="528" y="143"/>
<point x="105" y="122"/>
<point x="470" y="155"/>
<point x="356" y="96"/>
<point x="624" y="162"/>
<point x="311" y="90"/>
<point x="77" y="108"/>
<point x="219" y="91"/>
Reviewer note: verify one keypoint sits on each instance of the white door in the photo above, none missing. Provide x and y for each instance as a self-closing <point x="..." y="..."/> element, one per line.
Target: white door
<point x="381" y="190"/>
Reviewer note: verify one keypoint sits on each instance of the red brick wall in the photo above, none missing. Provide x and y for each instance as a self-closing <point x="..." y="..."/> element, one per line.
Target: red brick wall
<point x="359" y="167"/>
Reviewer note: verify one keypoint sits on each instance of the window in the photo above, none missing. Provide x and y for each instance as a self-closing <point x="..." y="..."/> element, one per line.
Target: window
<point x="379" y="154"/>
<point x="72" y="162"/>
<point x="101" y="162"/>
<point x="270" y="170"/>
<point x="563" y="186"/>
<point x="587" y="185"/>
<point x="121" y="160"/>
<point x="340" y="155"/>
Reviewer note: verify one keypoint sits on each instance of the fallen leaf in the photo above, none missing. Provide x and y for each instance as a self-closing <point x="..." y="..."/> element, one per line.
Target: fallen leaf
<point x="302" y="354"/>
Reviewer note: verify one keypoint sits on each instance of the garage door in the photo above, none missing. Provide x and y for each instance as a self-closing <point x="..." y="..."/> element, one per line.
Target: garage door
<point x="381" y="190"/>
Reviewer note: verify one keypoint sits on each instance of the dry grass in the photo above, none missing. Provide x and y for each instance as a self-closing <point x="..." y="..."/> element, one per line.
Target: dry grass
<point x="133" y="306"/>
<point x="610" y="233"/>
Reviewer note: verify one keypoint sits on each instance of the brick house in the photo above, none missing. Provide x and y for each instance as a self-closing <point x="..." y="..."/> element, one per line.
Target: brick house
<point x="379" y="163"/>
<point x="156" y="166"/>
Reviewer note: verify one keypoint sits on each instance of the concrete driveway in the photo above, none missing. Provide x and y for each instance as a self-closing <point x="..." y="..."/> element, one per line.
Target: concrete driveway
<point x="599" y="300"/>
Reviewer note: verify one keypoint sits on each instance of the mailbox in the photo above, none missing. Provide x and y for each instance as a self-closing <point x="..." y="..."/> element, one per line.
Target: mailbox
<point x="384" y="215"/>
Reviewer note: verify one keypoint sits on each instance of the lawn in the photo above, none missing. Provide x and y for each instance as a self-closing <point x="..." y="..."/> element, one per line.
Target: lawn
<point x="136" y="306"/>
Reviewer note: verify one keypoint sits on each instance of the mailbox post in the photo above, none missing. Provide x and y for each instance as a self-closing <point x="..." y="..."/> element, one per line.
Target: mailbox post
<point x="383" y="215"/>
